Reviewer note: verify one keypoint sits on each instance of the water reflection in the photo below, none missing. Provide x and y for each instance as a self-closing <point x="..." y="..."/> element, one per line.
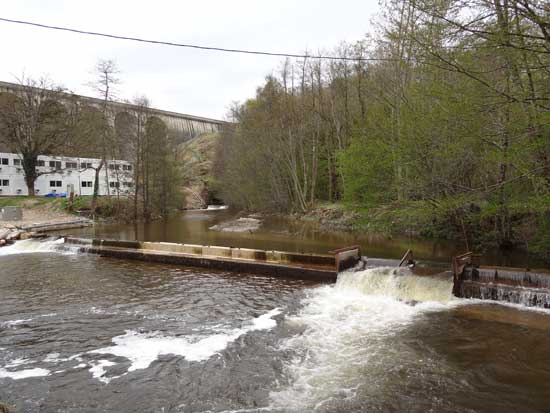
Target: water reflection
<point x="289" y="235"/>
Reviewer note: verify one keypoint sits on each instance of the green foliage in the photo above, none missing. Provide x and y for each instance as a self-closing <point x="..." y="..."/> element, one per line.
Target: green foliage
<point x="540" y="244"/>
<point x="447" y="135"/>
<point x="79" y="203"/>
<point x="369" y="175"/>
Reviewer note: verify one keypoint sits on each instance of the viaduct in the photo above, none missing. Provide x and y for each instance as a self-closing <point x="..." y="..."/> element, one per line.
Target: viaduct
<point x="182" y="126"/>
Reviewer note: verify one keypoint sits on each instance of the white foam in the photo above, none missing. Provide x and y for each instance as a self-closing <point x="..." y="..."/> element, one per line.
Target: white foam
<point x="520" y="307"/>
<point x="398" y="283"/>
<point x="98" y="370"/>
<point x="52" y="358"/>
<point x="12" y="323"/>
<point x="265" y="321"/>
<point x="142" y="349"/>
<point x="18" y="362"/>
<point x="55" y="358"/>
<point x="345" y="340"/>
<point x="23" y="374"/>
<point x="30" y="246"/>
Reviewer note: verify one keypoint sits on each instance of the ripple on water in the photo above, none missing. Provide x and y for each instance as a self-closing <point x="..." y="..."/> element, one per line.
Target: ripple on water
<point x="88" y="332"/>
<point x="142" y="349"/>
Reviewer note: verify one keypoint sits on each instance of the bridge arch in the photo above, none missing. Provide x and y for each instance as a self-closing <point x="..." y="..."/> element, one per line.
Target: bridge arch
<point x="127" y="129"/>
<point x="181" y="126"/>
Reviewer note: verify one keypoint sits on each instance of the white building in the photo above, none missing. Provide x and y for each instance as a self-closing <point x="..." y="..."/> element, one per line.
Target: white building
<point x="58" y="173"/>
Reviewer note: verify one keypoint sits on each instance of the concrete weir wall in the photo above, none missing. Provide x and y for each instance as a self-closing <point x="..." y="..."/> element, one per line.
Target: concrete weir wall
<point x="319" y="267"/>
<point x="513" y="285"/>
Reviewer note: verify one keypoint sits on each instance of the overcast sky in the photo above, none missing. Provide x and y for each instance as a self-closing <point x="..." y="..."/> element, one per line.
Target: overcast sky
<point x="181" y="80"/>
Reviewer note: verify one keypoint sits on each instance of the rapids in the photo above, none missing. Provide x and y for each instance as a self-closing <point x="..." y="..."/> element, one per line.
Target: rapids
<point x="84" y="333"/>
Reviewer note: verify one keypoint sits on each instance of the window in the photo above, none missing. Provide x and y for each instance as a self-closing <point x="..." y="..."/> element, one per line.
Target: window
<point x="85" y="165"/>
<point x="111" y="166"/>
<point x="114" y="184"/>
<point x="40" y="163"/>
<point x="5" y="182"/>
<point x="54" y="184"/>
<point x="17" y="162"/>
<point x="126" y="167"/>
<point x="87" y="184"/>
<point x="127" y="184"/>
<point x="71" y="165"/>
<point x="55" y="164"/>
<point x="5" y="161"/>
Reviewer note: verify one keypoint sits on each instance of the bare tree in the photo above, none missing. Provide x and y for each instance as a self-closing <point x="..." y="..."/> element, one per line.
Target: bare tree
<point x="105" y="83"/>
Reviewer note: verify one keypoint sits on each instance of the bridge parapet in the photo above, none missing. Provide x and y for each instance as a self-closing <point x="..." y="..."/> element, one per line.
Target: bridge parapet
<point x="183" y="126"/>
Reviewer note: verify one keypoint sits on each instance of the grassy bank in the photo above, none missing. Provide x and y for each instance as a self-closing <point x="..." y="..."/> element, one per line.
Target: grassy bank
<point x="26" y="202"/>
<point x="472" y="227"/>
<point x="107" y="207"/>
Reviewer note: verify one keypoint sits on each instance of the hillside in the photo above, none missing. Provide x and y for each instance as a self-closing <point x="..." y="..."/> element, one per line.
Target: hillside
<point x="197" y="158"/>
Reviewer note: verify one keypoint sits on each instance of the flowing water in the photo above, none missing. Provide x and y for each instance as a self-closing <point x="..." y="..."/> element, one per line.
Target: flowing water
<point x="80" y="332"/>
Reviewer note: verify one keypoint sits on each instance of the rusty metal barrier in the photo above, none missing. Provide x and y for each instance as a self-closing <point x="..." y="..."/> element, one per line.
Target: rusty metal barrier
<point x="346" y="257"/>
<point x="407" y="258"/>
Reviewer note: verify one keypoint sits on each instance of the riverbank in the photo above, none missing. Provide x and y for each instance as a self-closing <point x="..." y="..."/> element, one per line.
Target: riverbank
<point x="332" y="217"/>
<point x="39" y="215"/>
<point x="410" y="221"/>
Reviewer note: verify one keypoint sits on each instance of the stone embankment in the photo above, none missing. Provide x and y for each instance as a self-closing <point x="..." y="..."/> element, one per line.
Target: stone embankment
<point x="34" y="222"/>
<point x="10" y="232"/>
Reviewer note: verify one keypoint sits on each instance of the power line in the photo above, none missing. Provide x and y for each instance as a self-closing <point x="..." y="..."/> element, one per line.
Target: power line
<point x="194" y="46"/>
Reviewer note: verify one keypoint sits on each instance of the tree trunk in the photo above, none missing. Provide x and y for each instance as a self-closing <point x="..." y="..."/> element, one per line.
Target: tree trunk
<point x="96" y="186"/>
<point x="29" y="163"/>
<point x="30" y="185"/>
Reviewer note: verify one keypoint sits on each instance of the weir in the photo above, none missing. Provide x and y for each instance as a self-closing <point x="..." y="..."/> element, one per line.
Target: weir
<point x="470" y="280"/>
<point x="467" y="279"/>
<point x="530" y="288"/>
<point x="318" y="267"/>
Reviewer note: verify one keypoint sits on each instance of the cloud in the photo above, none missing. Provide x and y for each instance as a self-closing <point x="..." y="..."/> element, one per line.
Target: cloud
<point x="182" y="80"/>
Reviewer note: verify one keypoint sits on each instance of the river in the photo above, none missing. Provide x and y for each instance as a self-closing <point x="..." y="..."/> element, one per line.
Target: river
<point x="291" y="235"/>
<point x="80" y="332"/>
